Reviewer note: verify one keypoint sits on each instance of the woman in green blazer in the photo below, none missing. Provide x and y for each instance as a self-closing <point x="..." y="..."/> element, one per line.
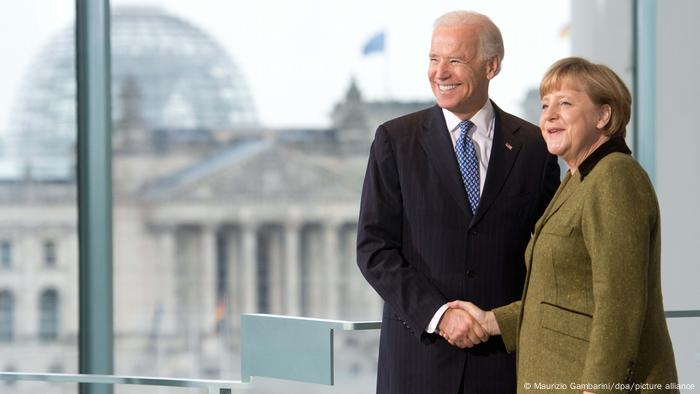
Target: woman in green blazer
<point x="591" y="317"/>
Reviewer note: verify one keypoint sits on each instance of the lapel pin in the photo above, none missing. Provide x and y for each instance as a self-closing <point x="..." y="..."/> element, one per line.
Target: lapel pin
<point x="509" y="146"/>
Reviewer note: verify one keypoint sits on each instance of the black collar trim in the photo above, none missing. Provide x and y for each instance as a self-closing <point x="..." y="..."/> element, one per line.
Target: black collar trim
<point x="615" y="144"/>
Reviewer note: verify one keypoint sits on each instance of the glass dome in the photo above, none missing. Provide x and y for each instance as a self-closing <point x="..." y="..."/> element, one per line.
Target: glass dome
<point x="167" y="75"/>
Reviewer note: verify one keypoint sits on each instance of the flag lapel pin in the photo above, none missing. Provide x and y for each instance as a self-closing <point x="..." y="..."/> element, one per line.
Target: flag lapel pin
<point x="509" y="146"/>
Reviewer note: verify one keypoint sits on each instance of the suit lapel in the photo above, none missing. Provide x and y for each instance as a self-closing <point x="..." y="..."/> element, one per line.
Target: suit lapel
<point x="566" y="190"/>
<point x="563" y="193"/>
<point x="504" y="151"/>
<point x="438" y="147"/>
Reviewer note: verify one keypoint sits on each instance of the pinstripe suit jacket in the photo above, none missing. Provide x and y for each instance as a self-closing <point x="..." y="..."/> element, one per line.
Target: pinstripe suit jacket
<point x="419" y="245"/>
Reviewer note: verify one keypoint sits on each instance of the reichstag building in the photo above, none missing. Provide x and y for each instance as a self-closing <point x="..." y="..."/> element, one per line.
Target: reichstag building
<point x="214" y="213"/>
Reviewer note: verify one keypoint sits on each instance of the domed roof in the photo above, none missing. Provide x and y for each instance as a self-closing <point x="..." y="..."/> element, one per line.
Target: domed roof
<point x="179" y="78"/>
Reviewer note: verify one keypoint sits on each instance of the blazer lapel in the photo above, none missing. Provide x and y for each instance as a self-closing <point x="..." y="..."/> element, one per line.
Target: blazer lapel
<point x="438" y="147"/>
<point x="504" y="151"/>
<point x="566" y="190"/>
<point x="563" y="193"/>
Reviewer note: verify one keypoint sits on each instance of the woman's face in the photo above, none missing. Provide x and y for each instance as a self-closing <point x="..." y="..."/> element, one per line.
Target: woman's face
<point x="572" y="124"/>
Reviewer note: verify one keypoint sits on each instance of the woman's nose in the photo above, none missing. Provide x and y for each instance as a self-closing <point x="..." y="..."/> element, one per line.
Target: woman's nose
<point x="549" y="113"/>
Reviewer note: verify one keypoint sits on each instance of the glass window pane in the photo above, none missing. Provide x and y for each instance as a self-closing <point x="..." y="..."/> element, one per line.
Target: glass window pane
<point x="38" y="191"/>
<point x="605" y="34"/>
<point x="7" y="316"/>
<point x="49" y="253"/>
<point x="685" y="335"/>
<point x="241" y="136"/>
<point x="5" y="254"/>
<point x="49" y="312"/>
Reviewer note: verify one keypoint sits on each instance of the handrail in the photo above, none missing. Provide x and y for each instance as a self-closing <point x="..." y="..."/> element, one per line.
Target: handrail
<point x="265" y="351"/>
<point x="282" y="347"/>
<point x="686" y="313"/>
<point x="214" y="386"/>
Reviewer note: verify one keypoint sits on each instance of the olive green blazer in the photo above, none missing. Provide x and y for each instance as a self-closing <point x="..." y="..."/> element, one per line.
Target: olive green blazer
<point x="592" y="311"/>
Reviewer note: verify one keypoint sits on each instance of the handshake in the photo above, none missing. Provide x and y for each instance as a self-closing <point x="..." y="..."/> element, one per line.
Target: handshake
<point x="465" y="325"/>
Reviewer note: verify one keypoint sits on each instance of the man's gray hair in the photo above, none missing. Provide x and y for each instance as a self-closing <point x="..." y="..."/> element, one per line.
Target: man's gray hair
<point x="490" y="39"/>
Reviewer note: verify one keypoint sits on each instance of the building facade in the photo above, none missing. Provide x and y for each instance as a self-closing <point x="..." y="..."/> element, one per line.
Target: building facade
<point x="214" y="215"/>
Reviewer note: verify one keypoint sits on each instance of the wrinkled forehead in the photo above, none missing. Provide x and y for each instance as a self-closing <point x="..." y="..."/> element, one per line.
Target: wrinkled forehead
<point x="464" y="37"/>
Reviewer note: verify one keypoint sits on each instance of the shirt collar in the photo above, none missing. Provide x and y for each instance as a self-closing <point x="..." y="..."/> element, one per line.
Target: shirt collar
<point x="483" y="120"/>
<point x="615" y="144"/>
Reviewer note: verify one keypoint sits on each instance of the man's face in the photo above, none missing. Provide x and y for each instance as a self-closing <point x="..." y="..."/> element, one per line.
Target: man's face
<point x="458" y="76"/>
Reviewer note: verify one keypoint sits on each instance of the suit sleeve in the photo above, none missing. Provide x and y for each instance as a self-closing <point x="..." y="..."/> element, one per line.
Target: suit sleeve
<point x="617" y="222"/>
<point x="404" y="288"/>
<point x="507" y="317"/>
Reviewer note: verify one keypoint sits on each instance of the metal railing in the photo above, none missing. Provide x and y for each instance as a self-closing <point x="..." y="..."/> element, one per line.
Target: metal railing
<point x="274" y="346"/>
<point x="214" y="386"/>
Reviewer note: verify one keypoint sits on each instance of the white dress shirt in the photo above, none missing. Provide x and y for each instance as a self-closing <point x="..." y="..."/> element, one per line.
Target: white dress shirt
<point x="482" y="135"/>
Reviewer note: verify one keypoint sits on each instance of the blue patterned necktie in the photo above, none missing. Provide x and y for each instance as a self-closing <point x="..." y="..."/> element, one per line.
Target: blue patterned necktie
<point x="468" y="164"/>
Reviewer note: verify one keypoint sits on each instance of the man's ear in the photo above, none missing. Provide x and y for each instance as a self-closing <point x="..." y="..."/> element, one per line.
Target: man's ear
<point x="492" y="67"/>
<point x="604" y="116"/>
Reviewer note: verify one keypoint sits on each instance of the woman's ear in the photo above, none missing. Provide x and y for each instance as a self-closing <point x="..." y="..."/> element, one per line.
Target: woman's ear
<point x="604" y="116"/>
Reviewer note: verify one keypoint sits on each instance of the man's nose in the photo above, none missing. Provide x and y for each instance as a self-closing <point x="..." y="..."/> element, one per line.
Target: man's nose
<point x="442" y="71"/>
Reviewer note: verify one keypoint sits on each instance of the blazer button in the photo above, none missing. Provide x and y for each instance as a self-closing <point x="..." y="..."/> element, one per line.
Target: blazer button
<point x="471" y="274"/>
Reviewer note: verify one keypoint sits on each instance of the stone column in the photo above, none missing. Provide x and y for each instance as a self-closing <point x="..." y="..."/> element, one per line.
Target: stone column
<point x="276" y="258"/>
<point x="233" y="277"/>
<point x="166" y="296"/>
<point x="292" y="269"/>
<point x="249" y="284"/>
<point x="26" y="308"/>
<point x="331" y="262"/>
<point x="207" y="278"/>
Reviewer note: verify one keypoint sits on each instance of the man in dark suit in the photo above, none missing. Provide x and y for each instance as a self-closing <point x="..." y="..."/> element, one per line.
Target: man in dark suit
<point x="450" y="198"/>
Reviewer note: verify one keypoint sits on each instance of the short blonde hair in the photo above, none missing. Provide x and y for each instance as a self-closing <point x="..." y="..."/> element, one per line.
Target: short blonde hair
<point x="599" y="82"/>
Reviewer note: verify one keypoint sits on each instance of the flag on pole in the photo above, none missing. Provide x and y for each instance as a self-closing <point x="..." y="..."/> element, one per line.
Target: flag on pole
<point x="374" y="44"/>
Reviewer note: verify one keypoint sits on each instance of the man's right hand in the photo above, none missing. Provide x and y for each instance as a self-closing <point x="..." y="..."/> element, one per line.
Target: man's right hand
<point x="460" y="329"/>
<point x="487" y="319"/>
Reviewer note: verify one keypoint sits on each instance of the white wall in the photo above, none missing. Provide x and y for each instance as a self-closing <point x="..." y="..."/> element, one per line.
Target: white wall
<point x="677" y="141"/>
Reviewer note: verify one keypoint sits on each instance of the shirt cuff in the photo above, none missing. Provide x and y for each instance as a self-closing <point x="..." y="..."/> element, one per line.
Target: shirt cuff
<point x="432" y="326"/>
